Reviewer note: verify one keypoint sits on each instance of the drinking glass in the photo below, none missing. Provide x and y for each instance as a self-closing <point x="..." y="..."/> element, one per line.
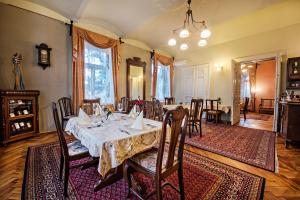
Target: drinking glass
<point x="120" y="107"/>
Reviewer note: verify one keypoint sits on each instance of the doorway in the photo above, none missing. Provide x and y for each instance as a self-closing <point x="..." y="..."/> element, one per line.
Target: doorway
<point x="256" y="89"/>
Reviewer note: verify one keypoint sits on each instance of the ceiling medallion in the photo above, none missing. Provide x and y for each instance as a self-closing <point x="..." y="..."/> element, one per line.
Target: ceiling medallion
<point x="189" y="26"/>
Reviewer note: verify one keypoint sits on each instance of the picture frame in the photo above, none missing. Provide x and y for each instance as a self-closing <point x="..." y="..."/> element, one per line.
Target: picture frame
<point x="43" y="55"/>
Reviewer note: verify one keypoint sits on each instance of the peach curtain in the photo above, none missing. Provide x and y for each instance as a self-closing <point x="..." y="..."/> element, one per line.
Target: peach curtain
<point x="100" y="41"/>
<point x="165" y="61"/>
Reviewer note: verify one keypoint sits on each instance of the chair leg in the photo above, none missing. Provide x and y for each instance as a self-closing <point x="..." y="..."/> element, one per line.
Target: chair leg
<point x="244" y="115"/>
<point x="196" y="128"/>
<point x="61" y="166"/>
<point x="190" y="133"/>
<point x="180" y="180"/>
<point x="127" y="178"/>
<point x="193" y="126"/>
<point x="158" y="190"/>
<point x="66" y="179"/>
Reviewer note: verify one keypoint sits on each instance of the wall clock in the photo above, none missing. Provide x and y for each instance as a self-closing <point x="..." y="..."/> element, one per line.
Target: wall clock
<point x="43" y="55"/>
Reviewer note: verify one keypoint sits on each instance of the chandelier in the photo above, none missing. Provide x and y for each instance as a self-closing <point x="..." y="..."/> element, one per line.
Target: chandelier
<point x="189" y="26"/>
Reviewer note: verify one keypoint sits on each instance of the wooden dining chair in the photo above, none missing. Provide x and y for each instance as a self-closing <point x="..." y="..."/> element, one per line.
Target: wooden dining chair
<point x="69" y="151"/>
<point x="212" y="110"/>
<point x="66" y="110"/>
<point x="244" y="109"/>
<point x="158" y="163"/>
<point x="124" y="102"/>
<point x="87" y="105"/>
<point x="169" y="100"/>
<point x="149" y="109"/>
<point x="158" y="111"/>
<point x="195" y="116"/>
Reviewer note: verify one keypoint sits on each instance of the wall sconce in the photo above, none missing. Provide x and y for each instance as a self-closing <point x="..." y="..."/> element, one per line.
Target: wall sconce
<point x="219" y="67"/>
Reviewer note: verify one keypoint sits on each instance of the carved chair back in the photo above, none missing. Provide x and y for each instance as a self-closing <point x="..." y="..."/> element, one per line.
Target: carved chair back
<point x="65" y="105"/>
<point x="178" y="122"/>
<point x="149" y="109"/>
<point x="60" y="132"/>
<point x="158" y="110"/>
<point x="87" y="105"/>
<point x="169" y="100"/>
<point x="124" y="102"/>
<point x="196" y="109"/>
<point x="212" y="104"/>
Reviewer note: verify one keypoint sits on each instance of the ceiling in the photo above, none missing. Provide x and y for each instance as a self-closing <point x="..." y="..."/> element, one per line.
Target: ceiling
<point x="152" y="21"/>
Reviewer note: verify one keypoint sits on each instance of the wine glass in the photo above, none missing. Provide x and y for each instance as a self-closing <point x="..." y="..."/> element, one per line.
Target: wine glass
<point x="120" y="107"/>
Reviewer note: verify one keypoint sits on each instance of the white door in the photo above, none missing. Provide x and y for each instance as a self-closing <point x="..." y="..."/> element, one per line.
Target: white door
<point x="277" y="92"/>
<point x="201" y="81"/>
<point x="191" y="82"/>
<point x="235" y="117"/>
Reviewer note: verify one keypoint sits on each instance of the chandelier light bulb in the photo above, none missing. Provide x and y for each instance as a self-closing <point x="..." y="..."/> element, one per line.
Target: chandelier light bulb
<point x="172" y="42"/>
<point x="202" y="43"/>
<point x="184" y="33"/>
<point x="184" y="46"/>
<point x="205" y="33"/>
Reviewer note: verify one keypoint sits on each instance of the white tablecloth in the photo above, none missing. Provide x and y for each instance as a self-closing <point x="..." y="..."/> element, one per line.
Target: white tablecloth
<point x="110" y="142"/>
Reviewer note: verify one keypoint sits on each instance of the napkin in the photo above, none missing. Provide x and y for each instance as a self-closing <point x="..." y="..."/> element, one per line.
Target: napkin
<point x="139" y="122"/>
<point x="84" y="119"/>
<point x="133" y="112"/>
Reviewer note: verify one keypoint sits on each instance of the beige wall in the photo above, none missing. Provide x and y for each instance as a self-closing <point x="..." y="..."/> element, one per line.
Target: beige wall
<point x="283" y="40"/>
<point x="20" y="32"/>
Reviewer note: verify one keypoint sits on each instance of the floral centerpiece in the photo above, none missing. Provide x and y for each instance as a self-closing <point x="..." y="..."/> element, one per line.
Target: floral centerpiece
<point x="138" y="102"/>
<point x="109" y="111"/>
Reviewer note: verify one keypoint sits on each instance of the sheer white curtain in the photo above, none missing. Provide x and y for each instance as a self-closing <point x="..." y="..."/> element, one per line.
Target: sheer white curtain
<point x="245" y="85"/>
<point x="98" y="77"/>
<point x="163" y="88"/>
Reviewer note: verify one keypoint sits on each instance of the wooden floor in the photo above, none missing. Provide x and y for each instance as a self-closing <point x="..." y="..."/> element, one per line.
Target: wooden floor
<point x="284" y="185"/>
<point x="257" y="124"/>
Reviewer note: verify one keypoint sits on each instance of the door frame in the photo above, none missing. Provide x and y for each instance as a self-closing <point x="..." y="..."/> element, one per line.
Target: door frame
<point x="278" y="58"/>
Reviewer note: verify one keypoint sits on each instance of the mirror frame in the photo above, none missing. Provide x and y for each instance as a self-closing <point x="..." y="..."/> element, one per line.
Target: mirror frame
<point x="137" y="62"/>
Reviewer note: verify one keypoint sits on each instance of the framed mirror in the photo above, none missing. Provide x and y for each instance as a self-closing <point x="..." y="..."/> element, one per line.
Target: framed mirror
<point x="136" y="83"/>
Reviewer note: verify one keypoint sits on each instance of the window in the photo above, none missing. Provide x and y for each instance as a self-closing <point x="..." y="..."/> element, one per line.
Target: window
<point x="245" y="85"/>
<point x="98" y="77"/>
<point x="163" y="88"/>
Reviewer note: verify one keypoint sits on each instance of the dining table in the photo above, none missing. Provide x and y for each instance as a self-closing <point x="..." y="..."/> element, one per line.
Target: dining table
<point x="113" y="140"/>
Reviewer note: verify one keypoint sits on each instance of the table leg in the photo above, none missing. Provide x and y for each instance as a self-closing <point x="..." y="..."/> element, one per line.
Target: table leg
<point x="115" y="175"/>
<point x="91" y="163"/>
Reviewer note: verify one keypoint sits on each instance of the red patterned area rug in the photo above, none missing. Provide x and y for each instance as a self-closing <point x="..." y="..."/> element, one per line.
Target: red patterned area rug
<point x="203" y="179"/>
<point x="252" y="146"/>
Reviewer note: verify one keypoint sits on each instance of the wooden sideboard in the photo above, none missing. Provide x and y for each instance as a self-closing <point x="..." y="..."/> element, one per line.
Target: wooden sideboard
<point x="19" y="114"/>
<point x="290" y="122"/>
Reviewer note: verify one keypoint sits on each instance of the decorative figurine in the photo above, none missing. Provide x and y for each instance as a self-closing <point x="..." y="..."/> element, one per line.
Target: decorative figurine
<point x="19" y="84"/>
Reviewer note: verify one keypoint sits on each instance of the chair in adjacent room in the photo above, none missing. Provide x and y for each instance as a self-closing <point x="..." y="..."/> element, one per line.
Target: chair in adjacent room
<point x="195" y="116"/>
<point x="69" y="151"/>
<point x="169" y="100"/>
<point x="66" y="110"/>
<point x="159" y="163"/>
<point x="87" y="105"/>
<point x="244" y="109"/>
